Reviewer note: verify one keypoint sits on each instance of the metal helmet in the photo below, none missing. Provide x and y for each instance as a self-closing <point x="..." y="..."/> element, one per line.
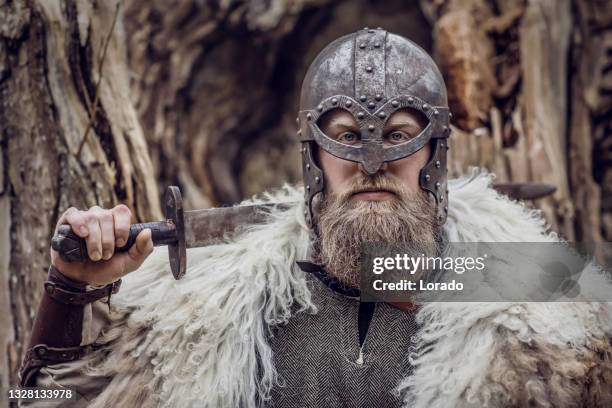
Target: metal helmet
<point x="371" y="74"/>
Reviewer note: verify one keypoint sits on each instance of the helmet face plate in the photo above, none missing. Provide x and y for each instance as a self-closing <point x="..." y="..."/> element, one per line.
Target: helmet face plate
<point x="372" y="74"/>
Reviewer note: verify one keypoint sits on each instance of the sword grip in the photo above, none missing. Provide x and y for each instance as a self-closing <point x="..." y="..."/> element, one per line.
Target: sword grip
<point x="73" y="248"/>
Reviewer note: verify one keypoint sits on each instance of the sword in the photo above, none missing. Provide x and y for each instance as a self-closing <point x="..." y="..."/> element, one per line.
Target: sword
<point x="525" y="191"/>
<point x="197" y="228"/>
<point x="180" y="230"/>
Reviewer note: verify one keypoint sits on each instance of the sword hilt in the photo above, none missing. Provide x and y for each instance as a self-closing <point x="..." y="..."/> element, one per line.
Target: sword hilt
<point x="171" y="232"/>
<point x="72" y="248"/>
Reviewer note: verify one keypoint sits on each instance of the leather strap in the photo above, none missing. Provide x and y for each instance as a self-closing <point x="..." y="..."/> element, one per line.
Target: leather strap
<point x="70" y="292"/>
<point x="57" y="331"/>
<point x="71" y="297"/>
<point x="42" y="355"/>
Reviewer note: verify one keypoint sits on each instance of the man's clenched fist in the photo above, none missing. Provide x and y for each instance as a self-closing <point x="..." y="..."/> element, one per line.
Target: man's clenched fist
<point x="103" y="230"/>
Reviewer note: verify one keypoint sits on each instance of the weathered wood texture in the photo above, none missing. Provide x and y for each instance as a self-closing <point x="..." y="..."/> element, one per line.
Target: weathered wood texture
<point x="49" y="67"/>
<point x="529" y="82"/>
<point x="510" y="91"/>
<point x="217" y="83"/>
<point x="590" y="136"/>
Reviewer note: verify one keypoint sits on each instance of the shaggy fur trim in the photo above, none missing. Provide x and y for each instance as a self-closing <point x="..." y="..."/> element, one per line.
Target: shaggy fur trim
<point x="491" y="354"/>
<point x="196" y="342"/>
<point x="202" y="341"/>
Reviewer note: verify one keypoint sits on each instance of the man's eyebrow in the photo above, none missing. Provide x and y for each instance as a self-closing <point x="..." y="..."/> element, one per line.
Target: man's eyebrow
<point x="339" y="125"/>
<point x="409" y="123"/>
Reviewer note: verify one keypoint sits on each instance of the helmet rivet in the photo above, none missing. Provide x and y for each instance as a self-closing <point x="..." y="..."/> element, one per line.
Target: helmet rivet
<point x="411" y="100"/>
<point x="334" y="101"/>
<point x="376" y="45"/>
<point x="450" y="115"/>
<point x="441" y="144"/>
<point x="378" y="97"/>
<point x="427" y="177"/>
<point x="362" y="46"/>
<point x="297" y="120"/>
<point x="395" y="104"/>
<point x="371" y="128"/>
<point x="363" y="98"/>
<point x="317" y="180"/>
<point x="437" y="185"/>
<point x="307" y="166"/>
<point x="441" y="198"/>
<point x="360" y="115"/>
<point x="382" y="115"/>
<point x="349" y="104"/>
<point x="425" y="107"/>
<point x="308" y="187"/>
<point x="368" y="69"/>
<point x="308" y="116"/>
<point x="438" y="163"/>
<point x="435" y="112"/>
<point x="371" y="105"/>
<point x="320" y="108"/>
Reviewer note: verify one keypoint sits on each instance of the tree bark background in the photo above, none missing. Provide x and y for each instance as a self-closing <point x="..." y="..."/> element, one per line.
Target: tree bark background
<point x="49" y="66"/>
<point x="204" y="94"/>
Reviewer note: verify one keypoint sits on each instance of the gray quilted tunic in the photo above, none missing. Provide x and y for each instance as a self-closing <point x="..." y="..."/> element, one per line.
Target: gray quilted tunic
<point x="317" y="356"/>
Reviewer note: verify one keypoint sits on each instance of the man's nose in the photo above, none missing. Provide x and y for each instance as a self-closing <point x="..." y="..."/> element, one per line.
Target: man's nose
<point x="382" y="169"/>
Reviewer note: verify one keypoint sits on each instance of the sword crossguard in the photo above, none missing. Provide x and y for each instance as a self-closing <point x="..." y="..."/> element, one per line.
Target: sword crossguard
<point x="177" y="251"/>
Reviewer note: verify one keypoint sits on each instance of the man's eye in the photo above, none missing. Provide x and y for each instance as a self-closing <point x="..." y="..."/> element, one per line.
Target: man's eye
<point x="398" y="137"/>
<point x="348" y="137"/>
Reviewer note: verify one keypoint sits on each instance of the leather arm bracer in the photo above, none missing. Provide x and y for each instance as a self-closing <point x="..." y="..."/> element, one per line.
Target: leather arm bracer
<point x="57" y="331"/>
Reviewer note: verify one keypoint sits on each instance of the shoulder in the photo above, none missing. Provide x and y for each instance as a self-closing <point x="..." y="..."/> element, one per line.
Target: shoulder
<point x="476" y="212"/>
<point x="220" y="311"/>
<point x="250" y="260"/>
<point x="559" y="352"/>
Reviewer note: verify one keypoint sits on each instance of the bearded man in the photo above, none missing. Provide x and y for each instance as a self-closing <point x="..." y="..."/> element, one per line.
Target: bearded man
<point x="249" y="327"/>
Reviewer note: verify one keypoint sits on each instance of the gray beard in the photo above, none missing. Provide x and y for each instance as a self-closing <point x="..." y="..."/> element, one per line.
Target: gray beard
<point x="344" y="225"/>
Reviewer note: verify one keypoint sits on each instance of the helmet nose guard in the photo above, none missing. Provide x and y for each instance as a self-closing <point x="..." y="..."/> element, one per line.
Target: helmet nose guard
<point x="372" y="74"/>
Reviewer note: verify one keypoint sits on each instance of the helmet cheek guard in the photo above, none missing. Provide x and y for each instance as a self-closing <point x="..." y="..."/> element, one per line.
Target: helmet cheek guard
<point x="372" y="74"/>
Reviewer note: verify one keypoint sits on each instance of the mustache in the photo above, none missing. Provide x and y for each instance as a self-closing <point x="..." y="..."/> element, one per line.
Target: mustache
<point x="377" y="182"/>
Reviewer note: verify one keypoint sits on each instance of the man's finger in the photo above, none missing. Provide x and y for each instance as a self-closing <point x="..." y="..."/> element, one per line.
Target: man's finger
<point x="105" y="218"/>
<point x="140" y="250"/>
<point x="75" y="219"/>
<point x="122" y="216"/>
<point x="94" y="239"/>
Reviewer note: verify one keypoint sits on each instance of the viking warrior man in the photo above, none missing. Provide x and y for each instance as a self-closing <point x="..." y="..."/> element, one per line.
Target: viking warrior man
<point x="272" y="316"/>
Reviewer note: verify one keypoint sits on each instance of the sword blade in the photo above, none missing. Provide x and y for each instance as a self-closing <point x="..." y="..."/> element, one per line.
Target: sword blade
<point x="206" y="227"/>
<point x="525" y="191"/>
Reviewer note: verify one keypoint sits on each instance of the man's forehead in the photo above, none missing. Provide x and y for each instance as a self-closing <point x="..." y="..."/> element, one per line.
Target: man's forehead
<point x="341" y="117"/>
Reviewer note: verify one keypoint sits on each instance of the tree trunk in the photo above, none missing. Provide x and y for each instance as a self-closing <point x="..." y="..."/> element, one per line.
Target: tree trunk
<point x="216" y="84"/>
<point x="53" y="54"/>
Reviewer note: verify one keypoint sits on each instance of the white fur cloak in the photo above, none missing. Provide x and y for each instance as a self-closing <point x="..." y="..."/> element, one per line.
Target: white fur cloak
<point x="202" y="341"/>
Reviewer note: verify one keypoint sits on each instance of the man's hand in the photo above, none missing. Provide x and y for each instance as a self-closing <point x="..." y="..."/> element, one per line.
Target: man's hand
<point x="103" y="230"/>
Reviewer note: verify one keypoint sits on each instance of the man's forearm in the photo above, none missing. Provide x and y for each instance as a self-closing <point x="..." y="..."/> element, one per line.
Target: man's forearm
<point x="58" y="327"/>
